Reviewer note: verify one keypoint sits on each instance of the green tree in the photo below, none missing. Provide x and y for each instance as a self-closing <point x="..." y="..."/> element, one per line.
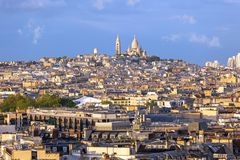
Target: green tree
<point x="22" y="102"/>
<point x="13" y="102"/>
<point x="151" y="103"/>
<point x="67" y="102"/>
<point x="106" y="102"/>
<point x="48" y="101"/>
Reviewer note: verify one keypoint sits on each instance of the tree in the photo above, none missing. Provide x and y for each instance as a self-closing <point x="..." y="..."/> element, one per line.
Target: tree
<point x="151" y="103"/>
<point x="106" y="102"/>
<point x="14" y="102"/>
<point x="153" y="59"/>
<point x="48" y="101"/>
<point x="66" y="102"/>
<point x="22" y="102"/>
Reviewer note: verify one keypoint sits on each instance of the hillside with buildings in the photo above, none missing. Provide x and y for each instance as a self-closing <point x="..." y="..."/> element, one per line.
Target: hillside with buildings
<point x="125" y="106"/>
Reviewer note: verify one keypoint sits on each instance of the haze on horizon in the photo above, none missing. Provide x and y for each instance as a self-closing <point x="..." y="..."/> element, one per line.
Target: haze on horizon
<point x="195" y="31"/>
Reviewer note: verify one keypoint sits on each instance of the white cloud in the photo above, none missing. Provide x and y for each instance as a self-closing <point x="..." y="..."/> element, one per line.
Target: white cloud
<point x="203" y="39"/>
<point x="34" y="4"/>
<point x="185" y="19"/>
<point x="30" y="4"/>
<point x="37" y="34"/>
<point x="132" y="2"/>
<point x="210" y="41"/>
<point x="100" y="4"/>
<point x="171" y="37"/>
<point x="223" y="29"/>
<point x="35" y="31"/>
<point x="37" y="4"/>
<point x="19" y="31"/>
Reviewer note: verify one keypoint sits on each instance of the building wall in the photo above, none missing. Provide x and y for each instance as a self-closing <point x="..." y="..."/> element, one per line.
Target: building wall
<point x="109" y="126"/>
<point x="7" y="137"/>
<point x="109" y="150"/>
<point x="22" y="155"/>
<point x="226" y="141"/>
<point x="30" y="84"/>
<point x="41" y="154"/>
<point x="210" y="114"/>
<point x="7" y="129"/>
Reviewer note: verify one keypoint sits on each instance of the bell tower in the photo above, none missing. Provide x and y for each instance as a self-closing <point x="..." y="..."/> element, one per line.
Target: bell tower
<point x="118" y="46"/>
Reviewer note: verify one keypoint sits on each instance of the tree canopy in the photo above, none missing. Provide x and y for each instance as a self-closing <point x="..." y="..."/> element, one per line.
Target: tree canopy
<point x="22" y="102"/>
<point x="106" y="102"/>
<point x="14" y="102"/>
<point x="151" y="103"/>
<point x="47" y="101"/>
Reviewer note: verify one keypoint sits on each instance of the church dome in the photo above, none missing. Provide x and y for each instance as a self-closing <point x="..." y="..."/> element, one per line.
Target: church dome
<point x="134" y="43"/>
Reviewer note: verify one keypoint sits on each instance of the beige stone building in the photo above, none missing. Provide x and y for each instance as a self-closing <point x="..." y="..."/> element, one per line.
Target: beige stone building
<point x="28" y="154"/>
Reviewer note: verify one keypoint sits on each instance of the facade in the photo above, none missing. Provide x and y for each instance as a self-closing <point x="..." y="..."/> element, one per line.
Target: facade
<point x="238" y="60"/>
<point x="77" y="120"/>
<point x="213" y="64"/>
<point x="234" y="61"/>
<point x="113" y="126"/>
<point x="13" y="154"/>
<point x="231" y="62"/>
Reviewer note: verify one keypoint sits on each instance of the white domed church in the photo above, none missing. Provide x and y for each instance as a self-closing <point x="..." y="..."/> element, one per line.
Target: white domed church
<point x="135" y="50"/>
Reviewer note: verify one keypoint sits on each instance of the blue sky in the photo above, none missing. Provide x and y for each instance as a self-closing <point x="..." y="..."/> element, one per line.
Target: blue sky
<point x="192" y="30"/>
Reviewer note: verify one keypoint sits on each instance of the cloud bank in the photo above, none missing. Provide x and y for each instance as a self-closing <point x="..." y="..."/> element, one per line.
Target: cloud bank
<point x="203" y="39"/>
<point x="186" y="19"/>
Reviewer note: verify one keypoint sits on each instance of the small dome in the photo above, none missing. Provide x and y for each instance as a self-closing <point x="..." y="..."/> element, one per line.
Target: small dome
<point x="134" y="43"/>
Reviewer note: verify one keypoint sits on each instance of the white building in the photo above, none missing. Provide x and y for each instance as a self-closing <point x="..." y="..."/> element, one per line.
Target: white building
<point x="234" y="61"/>
<point x="214" y="64"/>
<point x="231" y="62"/>
<point x="238" y="60"/>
